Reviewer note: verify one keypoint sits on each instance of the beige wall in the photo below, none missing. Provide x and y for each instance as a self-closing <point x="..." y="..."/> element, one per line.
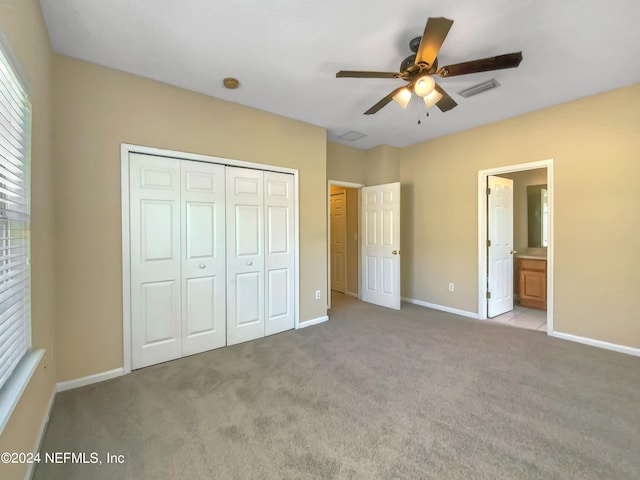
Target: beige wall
<point x="594" y="144"/>
<point x="23" y="27"/>
<point x="382" y="165"/>
<point x="376" y="166"/>
<point x="346" y="164"/>
<point x="96" y="109"/>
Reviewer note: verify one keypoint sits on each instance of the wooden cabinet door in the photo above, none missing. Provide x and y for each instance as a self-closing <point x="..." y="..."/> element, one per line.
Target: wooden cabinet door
<point x="533" y="289"/>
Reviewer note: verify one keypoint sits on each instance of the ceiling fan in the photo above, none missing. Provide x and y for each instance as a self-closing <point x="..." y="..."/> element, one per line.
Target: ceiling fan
<point x="420" y="68"/>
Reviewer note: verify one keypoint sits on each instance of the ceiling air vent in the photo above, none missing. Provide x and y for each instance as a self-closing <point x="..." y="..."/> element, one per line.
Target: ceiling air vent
<point x="479" y="88"/>
<point x="352" y="136"/>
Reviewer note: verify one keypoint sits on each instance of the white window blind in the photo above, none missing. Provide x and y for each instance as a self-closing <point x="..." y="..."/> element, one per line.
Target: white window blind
<point x="15" y="156"/>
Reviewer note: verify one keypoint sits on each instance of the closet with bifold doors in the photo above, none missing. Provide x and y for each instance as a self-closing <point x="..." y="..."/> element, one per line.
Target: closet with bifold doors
<point x="211" y="256"/>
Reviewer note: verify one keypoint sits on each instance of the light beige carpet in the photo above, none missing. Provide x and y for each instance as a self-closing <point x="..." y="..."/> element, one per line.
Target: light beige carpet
<point x="371" y="394"/>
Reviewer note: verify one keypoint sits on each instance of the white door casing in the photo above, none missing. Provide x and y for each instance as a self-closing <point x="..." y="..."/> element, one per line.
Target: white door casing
<point x="155" y="260"/>
<point x="245" y="254"/>
<point x="338" y="241"/>
<point x="203" y="257"/>
<point x="381" y="245"/>
<point x="279" y="257"/>
<point x="500" y="251"/>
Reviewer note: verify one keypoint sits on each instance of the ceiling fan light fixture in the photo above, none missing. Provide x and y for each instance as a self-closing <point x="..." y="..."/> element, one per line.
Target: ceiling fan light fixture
<point x="403" y="97"/>
<point x="424" y="86"/>
<point x="433" y="98"/>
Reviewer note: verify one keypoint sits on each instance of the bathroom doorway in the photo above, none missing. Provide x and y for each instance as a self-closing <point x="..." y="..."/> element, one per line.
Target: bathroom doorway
<point x="522" y="269"/>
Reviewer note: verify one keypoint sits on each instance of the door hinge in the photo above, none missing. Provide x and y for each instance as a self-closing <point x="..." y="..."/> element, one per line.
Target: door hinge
<point x="488" y="243"/>
<point x="488" y="294"/>
<point x="488" y="191"/>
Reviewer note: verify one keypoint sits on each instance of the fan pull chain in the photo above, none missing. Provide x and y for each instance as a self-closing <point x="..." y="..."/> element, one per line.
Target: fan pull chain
<point x="425" y="107"/>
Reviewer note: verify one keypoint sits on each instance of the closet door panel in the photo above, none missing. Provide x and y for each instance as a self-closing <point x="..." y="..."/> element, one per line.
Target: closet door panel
<point x="279" y="254"/>
<point x="154" y="190"/>
<point x="248" y="288"/>
<point x="245" y="254"/>
<point x="203" y="256"/>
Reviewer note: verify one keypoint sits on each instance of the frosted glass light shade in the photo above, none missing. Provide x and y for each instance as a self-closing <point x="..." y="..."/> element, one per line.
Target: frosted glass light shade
<point x="403" y="97"/>
<point x="424" y="86"/>
<point x="433" y="98"/>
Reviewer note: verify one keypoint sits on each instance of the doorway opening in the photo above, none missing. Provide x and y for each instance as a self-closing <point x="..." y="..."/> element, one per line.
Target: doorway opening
<point x="522" y="269"/>
<point x="343" y="239"/>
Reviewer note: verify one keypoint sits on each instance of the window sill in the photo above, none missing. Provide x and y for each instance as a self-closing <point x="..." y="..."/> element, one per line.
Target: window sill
<point x="16" y="384"/>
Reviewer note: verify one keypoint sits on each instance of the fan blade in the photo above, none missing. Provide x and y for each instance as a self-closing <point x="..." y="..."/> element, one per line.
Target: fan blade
<point x="434" y="34"/>
<point x="357" y="74"/>
<point x="509" y="60"/>
<point x="446" y="103"/>
<point x="383" y="102"/>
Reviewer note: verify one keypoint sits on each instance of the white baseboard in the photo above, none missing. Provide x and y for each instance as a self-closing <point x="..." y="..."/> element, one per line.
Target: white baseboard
<point x="61" y="387"/>
<point x="43" y="427"/>
<point x="597" y="343"/>
<point x="351" y="294"/>
<point x="313" y="321"/>
<point x="442" y="308"/>
<point x="84" y="381"/>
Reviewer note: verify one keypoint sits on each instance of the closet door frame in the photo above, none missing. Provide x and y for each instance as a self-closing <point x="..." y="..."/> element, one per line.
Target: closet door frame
<point x="125" y="150"/>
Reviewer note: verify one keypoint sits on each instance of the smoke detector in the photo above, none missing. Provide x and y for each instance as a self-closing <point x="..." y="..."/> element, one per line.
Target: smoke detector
<point x="231" y="83"/>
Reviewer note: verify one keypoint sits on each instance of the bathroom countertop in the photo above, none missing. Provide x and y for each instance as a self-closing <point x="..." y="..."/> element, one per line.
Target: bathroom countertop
<point x="531" y="256"/>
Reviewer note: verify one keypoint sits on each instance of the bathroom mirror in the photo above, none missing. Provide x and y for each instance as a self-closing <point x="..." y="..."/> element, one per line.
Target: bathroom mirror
<point x="538" y="214"/>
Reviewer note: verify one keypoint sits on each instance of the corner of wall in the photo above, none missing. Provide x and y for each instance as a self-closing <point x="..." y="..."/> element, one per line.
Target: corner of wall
<point x="382" y="165"/>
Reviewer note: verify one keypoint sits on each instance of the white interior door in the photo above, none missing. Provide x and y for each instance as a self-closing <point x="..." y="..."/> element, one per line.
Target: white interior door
<point x="279" y="254"/>
<point x="203" y="257"/>
<point x="500" y="249"/>
<point x="245" y="254"/>
<point x="381" y="245"/>
<point x="338" y="217"/>
<point x="154" y="191"/>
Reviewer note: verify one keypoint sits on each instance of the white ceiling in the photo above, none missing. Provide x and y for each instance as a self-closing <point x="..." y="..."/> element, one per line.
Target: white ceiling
<point x="286" y="54"/>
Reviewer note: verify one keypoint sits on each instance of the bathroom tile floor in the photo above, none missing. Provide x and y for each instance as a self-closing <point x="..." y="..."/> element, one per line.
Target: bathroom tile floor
<point x="523" y="317"/>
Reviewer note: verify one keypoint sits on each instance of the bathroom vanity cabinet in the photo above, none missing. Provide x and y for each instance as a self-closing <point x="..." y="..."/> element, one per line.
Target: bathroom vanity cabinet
<point x="533" y="282"/>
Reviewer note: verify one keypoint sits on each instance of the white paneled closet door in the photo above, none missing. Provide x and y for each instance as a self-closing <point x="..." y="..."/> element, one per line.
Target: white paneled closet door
<point x="279" y="255"/>
<point x="203" y="257"/>
<point x="212" y="256"/>
<point x="178" y="277"/>
<point x="156" y="328"/>
<point x="245" y="254"/>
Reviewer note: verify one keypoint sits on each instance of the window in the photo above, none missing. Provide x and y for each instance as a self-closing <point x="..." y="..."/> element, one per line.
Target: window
<point x="16" y="360"/>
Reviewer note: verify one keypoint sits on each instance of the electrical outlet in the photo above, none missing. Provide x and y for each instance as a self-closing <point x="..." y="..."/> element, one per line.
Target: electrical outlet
<point x="317" y="294"/>
<point x="451" y="287"/>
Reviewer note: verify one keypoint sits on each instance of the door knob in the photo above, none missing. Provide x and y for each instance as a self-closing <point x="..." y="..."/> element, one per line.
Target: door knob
<point x="249" y="263"/>
<point x="202" y="265"/>
<point x="395" y="252"/>
<point x="513" y="252"/>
